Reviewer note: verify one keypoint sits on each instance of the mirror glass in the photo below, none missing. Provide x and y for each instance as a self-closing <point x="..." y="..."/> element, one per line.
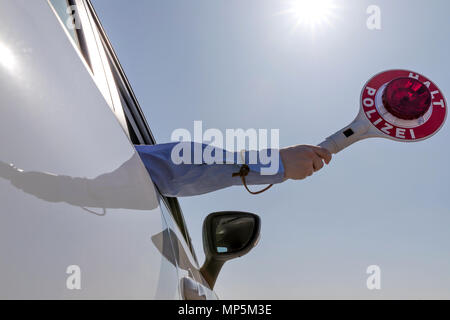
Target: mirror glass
<point x="232" y="233"/>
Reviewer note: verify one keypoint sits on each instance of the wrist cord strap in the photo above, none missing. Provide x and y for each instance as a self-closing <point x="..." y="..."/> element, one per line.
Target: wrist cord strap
<point x="243" y="172"/>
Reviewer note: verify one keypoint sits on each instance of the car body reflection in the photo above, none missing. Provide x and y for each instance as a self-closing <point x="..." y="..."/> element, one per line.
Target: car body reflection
<point x="122" y="188"/>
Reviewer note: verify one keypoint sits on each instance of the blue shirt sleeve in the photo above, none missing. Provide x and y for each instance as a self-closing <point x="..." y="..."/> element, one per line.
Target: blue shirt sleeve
<point x="195" y="177"/>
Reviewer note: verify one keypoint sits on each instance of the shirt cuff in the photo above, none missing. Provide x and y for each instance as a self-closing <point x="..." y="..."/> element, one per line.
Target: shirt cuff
<point x="268" y="168"/>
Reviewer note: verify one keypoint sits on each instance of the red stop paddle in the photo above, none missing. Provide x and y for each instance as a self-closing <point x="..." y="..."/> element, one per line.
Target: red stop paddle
<point x="400" y="105"/>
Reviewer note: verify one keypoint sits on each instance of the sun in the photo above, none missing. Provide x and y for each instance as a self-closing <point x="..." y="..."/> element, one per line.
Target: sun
<point x="7" y="59"/>
<point x="311" y="13"/>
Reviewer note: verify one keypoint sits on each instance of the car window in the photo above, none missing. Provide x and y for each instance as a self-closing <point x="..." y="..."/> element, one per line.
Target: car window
<point x="79" y="23"/>
<point x="66" y="10"/>
<point x="111" y="80"/>
<point x="138" y="129"/>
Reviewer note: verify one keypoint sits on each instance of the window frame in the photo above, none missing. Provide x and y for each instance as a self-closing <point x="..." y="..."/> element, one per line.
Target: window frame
<point x="138" y="129"/>
<point x="81" y="39"/>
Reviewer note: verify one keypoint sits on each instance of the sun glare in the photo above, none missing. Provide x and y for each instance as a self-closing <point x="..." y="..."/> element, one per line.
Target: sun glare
<point x="311" y="13"/>
<point x="7" y="59"/>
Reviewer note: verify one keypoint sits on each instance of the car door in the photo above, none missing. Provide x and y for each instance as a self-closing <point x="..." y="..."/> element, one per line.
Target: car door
<point x="122" y="101"/>
<point x="78" y="210"/>
<point x="192" y="285"/>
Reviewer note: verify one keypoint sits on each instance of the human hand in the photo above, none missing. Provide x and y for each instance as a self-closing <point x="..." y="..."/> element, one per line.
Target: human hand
<point x="302" y="161"/>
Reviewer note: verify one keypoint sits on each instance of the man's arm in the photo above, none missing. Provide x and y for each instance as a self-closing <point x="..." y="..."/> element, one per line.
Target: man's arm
<point x="178" y="171"/>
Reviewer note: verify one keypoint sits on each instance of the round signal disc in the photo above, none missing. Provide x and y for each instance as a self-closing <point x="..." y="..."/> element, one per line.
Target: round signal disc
<point x="404" y="105"/>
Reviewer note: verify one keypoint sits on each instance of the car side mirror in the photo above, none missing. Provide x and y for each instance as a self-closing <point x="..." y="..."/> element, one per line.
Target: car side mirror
<point x="227" y="235"/>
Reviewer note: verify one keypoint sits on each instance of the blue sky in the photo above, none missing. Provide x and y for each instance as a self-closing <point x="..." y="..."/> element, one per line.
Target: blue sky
<point x="239" y="64"/>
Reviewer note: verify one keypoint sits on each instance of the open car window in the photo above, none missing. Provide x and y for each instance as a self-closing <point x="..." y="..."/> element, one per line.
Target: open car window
<point x="79" y="25"/>
<point x="80" y="21"/>
<point x="66" y="10"/>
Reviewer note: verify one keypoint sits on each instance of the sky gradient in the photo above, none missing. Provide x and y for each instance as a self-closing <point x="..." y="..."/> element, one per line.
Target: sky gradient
<point x="241" y="64"/>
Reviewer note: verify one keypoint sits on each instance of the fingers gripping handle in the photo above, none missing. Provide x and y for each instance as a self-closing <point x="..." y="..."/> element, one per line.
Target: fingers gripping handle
<point x="345" y="137"/>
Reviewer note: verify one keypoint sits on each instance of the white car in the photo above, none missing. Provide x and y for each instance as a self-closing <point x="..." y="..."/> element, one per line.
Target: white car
<point x="79" y="215"/>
